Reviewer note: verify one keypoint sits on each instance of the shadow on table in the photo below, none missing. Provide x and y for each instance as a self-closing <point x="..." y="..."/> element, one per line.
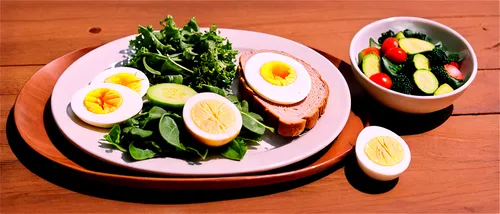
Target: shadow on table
<point x="362" y="105"/>
<point x="372" y="112"/>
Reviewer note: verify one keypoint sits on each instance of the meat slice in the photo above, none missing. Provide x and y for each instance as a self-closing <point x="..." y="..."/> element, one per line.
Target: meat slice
<point x="288" y="120"/>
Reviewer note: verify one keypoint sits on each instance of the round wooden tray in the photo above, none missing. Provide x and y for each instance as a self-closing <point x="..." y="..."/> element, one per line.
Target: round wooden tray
<point x="36" y="126"/>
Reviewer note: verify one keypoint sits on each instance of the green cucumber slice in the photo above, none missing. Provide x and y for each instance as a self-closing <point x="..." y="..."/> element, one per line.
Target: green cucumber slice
<point x="443" y="89"/>
<point x="371" y="65"/>
<point x="169" y="95"/>
<point x="421" y="62"/>
<point x="400" y="35"/>
<point x="415" y="46"/>
<point x="426" y="81"/>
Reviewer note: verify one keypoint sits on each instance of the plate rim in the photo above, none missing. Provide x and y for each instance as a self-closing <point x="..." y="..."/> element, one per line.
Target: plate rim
<point x="269" y="166"/>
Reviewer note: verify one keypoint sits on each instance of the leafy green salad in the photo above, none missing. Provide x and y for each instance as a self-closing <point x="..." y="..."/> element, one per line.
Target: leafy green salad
<point x="411" y="63"/>
<point x="181" y="62"/>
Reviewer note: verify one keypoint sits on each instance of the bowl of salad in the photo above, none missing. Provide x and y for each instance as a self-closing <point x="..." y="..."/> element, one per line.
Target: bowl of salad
<point x="411" y="64"/>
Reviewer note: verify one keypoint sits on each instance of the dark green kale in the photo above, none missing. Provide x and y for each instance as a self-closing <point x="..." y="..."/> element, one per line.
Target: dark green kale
<point x="403" y="84"/>
<point x="410" y="34"/>
<point x="199" y="57"/>
<point x="437" y="57"/>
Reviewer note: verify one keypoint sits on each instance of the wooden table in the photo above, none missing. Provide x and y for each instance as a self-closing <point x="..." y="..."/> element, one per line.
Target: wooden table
<point x="455" y="165"/>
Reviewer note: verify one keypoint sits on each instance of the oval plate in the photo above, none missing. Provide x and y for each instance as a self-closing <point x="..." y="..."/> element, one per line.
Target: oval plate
<point x="273" y="152"/>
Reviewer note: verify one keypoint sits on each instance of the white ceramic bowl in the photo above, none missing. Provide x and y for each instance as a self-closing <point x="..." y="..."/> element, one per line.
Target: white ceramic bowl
<point x="438" y="32"/>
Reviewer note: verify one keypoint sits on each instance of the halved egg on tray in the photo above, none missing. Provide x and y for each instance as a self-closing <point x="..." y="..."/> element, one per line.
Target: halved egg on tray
<point x="126" y="76"/>
<point x="105" y="104"/>
<point x="382" y="154"/>
<point x="277" y="78"/>
<point x="212" y="119"/>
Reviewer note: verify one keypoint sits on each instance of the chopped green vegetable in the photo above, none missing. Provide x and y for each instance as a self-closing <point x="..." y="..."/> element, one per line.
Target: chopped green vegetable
<point x="443" y="89"/>
<point x="391" y="68"/>
<point x="426" y="81"/>
<point x="235" y="149"/>
<point x="170" y="132"/>
<point x="410" y="34"/>
<point x="139" y="153"/>
<point x="429" y="69"/>
<point x="402" y="84"/>
<point x="169" y="95"/>
<point x="200" y="57"/>
<point x="373" y="43"/>
<point x="113" y="137"/>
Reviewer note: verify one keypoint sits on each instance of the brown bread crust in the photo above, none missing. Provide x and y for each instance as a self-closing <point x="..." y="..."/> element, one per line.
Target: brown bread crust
<point x="288" y="120"/>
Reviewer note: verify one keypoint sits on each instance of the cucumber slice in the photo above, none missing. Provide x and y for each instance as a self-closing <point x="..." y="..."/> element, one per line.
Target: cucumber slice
<point x="371" y="65"/>
<point x="373" y="43"/>
<point x="400" y="35"/>
<point x="415" y="46"/>
<point x="169" y="95"/>
<point x="421" y="62"/>
<point x="426" y="81"/>
<point x="443" y="89"/>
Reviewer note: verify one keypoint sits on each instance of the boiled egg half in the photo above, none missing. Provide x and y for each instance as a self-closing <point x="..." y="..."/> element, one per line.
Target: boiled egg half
<point x="105" y="104"/>
<point x="277" y="78"/>
<point x="382" y="154"/>
<point x="212" y="119"/>
<point x="126" y="76"/>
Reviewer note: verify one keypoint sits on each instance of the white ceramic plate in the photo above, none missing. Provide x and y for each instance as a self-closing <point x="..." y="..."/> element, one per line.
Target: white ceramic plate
<point x="273" y="152"/>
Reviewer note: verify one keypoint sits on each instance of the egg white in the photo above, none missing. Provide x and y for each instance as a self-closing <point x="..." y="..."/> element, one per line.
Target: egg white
<point x="289" y="94"/>
<point x="131" y="105"/>
<point x="186" y="114"/>
<point x="102" y="76"/>
<point x="372" y="169"/>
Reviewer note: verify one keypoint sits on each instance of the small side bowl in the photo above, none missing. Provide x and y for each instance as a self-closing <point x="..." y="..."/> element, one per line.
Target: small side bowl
<point x="438" y="32"/>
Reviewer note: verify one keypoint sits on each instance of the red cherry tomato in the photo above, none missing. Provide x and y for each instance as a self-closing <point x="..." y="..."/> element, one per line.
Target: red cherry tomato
<point x="389" y="43"/>
<point x="396" y="55"/>
<point x="370" y="50"/>
<point x="454" y="64"/>
<point x="382" y="79"/>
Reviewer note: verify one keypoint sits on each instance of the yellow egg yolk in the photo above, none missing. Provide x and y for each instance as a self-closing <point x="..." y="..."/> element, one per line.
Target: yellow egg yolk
<point x="103" y="100"/>
<point x="213" y="116"/>
<point x="125" y="79"/>
<point x="384" y="151"/>
<point x="278" y="73"/>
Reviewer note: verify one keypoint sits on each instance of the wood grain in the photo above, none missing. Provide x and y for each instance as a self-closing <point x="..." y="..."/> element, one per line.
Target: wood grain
<point x="51" y="35"/>
<point x="455" y="165"/>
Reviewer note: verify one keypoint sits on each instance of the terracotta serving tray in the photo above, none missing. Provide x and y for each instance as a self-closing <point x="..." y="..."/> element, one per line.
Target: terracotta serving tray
<point x="36" y="126"/>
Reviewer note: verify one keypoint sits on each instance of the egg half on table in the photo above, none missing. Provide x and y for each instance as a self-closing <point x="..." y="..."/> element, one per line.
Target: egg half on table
<point x="277" y="78"/>
<point x="112" y="97"/>
<point x="382" y="154"/>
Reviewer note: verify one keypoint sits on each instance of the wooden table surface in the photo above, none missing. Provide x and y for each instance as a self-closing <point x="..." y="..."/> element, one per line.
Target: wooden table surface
<point x="455" y="165"/>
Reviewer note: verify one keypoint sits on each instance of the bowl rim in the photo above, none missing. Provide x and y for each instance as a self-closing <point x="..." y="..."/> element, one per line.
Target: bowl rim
<point x="352" y="55"/>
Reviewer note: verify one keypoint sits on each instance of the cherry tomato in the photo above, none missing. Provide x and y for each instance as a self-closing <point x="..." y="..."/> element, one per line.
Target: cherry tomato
<point x="396" y="55"/>
<point x="389" y="43"/>
<point x="454" y="64"/>
<point x="366" y="51"/>
<point x="370" y="50"/>
<point x="382" y="79"/>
